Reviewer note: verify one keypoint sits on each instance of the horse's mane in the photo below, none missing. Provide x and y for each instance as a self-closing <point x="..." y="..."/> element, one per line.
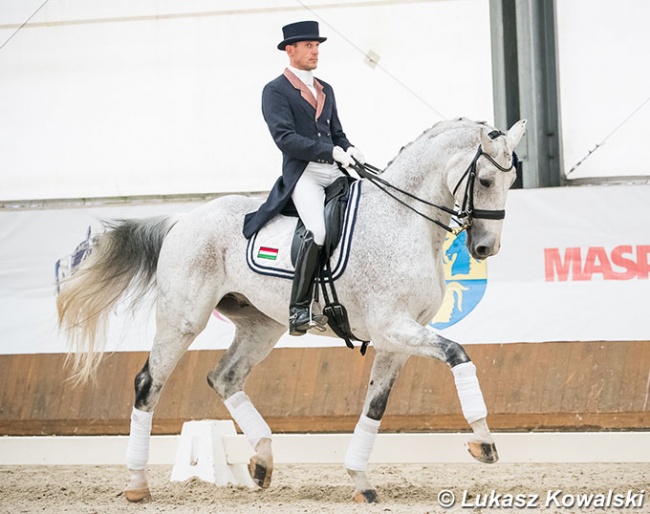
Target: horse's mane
<point x="439" y="128"/>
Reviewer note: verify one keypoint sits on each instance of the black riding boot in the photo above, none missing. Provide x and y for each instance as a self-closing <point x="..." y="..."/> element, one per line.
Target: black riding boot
<point x="301" y="293"/>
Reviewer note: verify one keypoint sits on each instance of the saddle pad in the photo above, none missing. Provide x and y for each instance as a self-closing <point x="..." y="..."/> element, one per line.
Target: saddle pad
<point x="269" y="251"/>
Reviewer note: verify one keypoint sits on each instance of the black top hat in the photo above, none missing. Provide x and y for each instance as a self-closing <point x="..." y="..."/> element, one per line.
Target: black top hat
<point x="300" y="31"/>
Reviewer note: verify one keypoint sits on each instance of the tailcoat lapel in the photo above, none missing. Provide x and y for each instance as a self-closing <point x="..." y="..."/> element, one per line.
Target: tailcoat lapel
<point x="317" y="103"/>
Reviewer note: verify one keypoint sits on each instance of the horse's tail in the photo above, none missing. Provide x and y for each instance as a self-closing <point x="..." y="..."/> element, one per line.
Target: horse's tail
<point x="123" y="258"/>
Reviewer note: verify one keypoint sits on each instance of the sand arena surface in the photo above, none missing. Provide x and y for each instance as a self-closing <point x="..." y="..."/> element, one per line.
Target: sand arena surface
<point x="403" y="489"/>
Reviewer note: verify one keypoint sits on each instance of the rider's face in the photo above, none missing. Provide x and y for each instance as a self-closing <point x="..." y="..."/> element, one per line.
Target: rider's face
<point x="303" y="55"/>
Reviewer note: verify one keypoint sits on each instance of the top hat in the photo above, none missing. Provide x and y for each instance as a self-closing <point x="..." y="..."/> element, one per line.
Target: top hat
<point x="300" y="31"/>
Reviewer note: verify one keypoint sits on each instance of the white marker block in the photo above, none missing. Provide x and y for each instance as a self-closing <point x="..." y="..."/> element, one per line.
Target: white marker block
<point x="202" y="454"/>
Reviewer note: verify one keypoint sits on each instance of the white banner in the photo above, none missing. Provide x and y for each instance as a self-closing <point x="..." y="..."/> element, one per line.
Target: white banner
<point x="574" y="266"/>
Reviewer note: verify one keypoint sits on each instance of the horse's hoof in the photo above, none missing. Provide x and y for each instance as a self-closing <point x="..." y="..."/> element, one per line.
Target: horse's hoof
<point x="260" y="473"/>
<point x="138" y="495"/>
<point x="367" y="496"/>
<point x="483" y="452"/>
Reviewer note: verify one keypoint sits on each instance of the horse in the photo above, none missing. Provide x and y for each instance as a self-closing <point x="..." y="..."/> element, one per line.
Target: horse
<point x="194" y="263"/>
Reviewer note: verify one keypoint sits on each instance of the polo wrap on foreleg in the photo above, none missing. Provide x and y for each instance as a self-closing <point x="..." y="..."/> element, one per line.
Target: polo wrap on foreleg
<point x="250" y="421"/>
<point x="469" y="392"/>
<point x="137" y="450"/>
<point x="363" y="440"/>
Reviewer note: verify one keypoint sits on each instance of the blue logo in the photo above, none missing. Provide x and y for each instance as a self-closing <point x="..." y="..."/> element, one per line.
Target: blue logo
<point x="64" y="267"/>
<point x="466" y="280"/>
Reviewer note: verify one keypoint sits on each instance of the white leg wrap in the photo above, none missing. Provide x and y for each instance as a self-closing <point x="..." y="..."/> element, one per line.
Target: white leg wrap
<point x="469" y="392"/>
<point x="363" y="440"/>
<point x="137" y="451"/>
<point x="250" y="421"/>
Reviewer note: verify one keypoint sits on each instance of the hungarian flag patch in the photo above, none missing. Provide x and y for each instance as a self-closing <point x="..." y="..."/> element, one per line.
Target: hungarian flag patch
<point x="266" y="252"/>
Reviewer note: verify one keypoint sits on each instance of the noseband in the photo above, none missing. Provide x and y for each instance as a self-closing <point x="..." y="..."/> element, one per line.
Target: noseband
<point x="462" y="216"/>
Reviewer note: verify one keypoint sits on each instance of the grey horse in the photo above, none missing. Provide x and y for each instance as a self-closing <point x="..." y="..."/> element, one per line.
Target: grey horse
<point x="196" y="262"/>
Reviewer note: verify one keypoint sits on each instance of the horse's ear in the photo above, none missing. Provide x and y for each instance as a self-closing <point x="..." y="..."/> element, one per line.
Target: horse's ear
<point x="487" y="143"/>
<point x="515" y="133"/>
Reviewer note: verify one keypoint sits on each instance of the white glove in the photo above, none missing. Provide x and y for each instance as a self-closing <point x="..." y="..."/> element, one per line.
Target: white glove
<point x="356" y="154"/>
<point x="344" y="159"/>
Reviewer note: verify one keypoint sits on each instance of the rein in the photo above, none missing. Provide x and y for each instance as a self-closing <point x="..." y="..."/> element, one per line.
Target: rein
<point x="466" y="213"/>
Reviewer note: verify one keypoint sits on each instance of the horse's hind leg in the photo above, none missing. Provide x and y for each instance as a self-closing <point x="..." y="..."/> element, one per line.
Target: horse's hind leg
<point x="256" y="335"/>
<point x="174" y="333"/>
<point x="385" y="369"/>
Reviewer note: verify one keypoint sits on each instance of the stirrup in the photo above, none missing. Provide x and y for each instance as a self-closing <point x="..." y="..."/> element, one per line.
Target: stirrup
<point x="313" y="324"/>
<point x="316" y="321"/>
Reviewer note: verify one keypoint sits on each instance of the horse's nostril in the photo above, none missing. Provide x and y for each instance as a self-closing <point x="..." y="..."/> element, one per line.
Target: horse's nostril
<point x="482" y="251"/>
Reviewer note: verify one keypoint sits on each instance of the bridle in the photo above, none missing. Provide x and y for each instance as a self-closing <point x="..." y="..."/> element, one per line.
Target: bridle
<point x="463" y="215"/>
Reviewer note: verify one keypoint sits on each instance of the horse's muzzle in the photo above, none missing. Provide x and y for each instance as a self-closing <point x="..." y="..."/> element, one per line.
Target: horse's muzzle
<point x="483" y="246"/>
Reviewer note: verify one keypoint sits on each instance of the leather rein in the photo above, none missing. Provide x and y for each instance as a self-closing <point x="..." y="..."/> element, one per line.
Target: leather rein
<point x="464" y="215"/>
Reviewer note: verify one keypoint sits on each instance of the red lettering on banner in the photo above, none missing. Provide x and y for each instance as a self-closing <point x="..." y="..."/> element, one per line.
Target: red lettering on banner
<point x="596" y="262"/>
<point x="554" y="265"/>
<point x="629" y="265"/>
<point x="620" y="264"/>
<point x="642" y="253"/>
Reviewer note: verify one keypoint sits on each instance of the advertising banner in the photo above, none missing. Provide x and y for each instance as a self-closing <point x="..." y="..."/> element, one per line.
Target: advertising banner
<point x="573" y="266"/>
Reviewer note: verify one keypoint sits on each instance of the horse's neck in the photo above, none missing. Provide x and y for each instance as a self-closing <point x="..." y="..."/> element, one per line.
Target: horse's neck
<point x="421" y="169"/>
<point x="423" y="174"/>
<point x="427" y="181"/>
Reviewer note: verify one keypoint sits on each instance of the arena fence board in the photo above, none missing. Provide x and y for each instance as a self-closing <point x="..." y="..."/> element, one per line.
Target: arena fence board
<point x="546" y="386"/>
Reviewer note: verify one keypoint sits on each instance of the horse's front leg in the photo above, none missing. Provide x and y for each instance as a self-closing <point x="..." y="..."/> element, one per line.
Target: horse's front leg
<point x="385" y="369"/>
<point x="406" y="335"/>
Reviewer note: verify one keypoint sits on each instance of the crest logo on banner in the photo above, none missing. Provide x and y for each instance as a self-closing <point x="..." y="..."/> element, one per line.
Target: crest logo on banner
<point x="466" y="280"/>
<point x="64" y="267"/>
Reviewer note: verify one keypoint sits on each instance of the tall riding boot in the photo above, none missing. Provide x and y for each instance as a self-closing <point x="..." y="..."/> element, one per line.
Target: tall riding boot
<point x="301" y="293"/>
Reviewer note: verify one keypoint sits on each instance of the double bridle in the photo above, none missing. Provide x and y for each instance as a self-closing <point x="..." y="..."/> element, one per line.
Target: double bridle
<point x="462" y="216"/>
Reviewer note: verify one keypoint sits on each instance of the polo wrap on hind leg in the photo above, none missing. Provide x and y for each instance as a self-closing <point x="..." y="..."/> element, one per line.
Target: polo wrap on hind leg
<point x="137" y="450"/>
<point x="469" y="392"/>
<point x="363" y="440"/>
<point x="246" y="416"/>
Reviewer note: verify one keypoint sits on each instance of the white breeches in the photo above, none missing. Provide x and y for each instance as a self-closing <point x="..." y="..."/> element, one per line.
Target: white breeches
<point x="309" y="196"/>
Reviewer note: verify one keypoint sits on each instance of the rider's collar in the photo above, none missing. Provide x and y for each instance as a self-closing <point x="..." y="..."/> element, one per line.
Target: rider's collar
<point x="305" y="76"/>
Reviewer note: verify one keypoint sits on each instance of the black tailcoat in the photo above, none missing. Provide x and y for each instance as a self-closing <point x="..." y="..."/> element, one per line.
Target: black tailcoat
<point x="305" y="129"/>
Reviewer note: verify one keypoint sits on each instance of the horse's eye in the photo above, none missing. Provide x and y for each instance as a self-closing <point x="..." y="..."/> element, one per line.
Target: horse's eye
<point x="485" y="182"/>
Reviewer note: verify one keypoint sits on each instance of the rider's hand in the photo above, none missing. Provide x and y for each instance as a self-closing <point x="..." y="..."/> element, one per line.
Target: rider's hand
<point x="355" y="153"/>
<point x="339" y="155"/>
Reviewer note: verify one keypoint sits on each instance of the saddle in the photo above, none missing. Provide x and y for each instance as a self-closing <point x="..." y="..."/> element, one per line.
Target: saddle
<point x="337" y="196"/>
<point x="336" y="200"/>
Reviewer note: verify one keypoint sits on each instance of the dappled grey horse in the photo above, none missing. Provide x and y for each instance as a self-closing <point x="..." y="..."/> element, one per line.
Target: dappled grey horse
<point x="196" y="262"/>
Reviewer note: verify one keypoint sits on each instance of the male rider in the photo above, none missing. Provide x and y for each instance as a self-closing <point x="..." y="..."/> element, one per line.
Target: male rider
<point x="301" y="114"/>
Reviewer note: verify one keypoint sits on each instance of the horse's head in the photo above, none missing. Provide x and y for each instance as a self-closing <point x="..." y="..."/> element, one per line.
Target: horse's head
<point x="481" y="189"/>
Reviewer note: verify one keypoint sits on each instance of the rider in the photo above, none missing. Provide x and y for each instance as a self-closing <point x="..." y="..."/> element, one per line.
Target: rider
<point x="301" y="114"/>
